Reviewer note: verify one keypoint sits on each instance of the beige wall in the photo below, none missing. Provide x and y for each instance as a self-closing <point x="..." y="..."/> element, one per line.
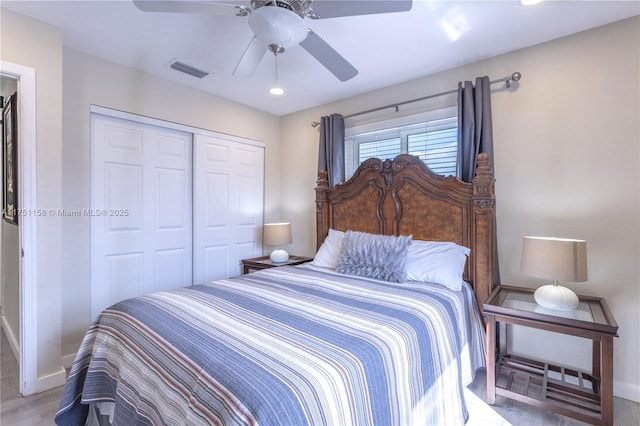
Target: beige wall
<point x="567" y="164"/>
<point x="88" y="81"/>
<point x="32" y="44"/>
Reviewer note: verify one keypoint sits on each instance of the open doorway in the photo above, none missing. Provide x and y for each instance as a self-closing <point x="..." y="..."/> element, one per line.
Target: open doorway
<point x="25" y="250"/>
<point x="10" y="260"/>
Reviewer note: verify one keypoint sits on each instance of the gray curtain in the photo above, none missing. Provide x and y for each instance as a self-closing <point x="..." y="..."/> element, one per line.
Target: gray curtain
<point x="475" y="135"/>
<point x="331" y="150"/>
<point x="475" y="130"/>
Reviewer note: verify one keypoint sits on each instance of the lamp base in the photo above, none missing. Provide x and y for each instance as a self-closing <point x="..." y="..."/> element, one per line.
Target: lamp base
<point x="556" y="297"/>
<point x="279" y="256"/>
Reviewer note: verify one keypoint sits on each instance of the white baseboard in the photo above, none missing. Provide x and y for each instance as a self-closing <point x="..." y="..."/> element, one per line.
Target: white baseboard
<point x="47" y="382"/>
<point x="11" y="337"/>
<point x="52" y="380"/>
<point x="628" y="391"/>
<point x="67" y="360"/>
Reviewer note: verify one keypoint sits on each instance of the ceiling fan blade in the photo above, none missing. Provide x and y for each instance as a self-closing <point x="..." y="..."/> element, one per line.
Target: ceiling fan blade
<point x="250" y="59"/>
<point x="335" y="9"/>
<point x="212" y="8"/>
<point x="327" y="56"/>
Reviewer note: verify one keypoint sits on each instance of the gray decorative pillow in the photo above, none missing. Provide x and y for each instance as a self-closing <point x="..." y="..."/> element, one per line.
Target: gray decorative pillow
<point x="381" y="257"/>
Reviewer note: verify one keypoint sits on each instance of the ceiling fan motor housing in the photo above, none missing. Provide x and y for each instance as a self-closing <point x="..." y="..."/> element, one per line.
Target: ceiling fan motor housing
<point x="300" y="7"/>
<point x="277" y="25"/>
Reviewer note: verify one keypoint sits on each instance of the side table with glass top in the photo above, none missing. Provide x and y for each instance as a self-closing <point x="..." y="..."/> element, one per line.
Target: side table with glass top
<point x="586" y="396"/>
<point x="264" y="262"/>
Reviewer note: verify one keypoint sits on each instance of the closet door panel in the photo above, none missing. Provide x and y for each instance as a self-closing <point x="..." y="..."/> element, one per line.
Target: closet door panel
<point x="129" y="201"/>
<point x="215" y="187"/>
<point x="124" y="273"/>
<point x="141" y="212"/>
<point x="228" y="206"/>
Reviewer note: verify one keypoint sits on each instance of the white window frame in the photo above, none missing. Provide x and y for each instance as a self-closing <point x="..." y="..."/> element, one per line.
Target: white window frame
<point x="351" y="147"/>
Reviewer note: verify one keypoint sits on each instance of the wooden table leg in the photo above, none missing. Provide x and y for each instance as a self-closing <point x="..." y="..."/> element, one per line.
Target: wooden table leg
<point x="595" y="364"/>
<point x="491" y="358"/>
<point x="606" y="380"/>
<point x="502" y="337"/>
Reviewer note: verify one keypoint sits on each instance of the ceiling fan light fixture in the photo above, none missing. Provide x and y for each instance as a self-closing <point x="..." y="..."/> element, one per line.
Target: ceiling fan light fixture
<point x="279" y="26"/>
<point x="276" y="91"/>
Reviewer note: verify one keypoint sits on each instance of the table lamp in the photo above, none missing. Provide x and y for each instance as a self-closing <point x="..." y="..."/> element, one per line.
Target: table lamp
<point x="556" y="259"/>
<point x="277" y="234"/>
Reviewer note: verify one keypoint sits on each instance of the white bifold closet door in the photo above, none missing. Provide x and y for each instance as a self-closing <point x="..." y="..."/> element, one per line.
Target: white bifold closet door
<point x="170" y="208"/>
<point x="141" y="215"/>
<point x="228" y="205"/>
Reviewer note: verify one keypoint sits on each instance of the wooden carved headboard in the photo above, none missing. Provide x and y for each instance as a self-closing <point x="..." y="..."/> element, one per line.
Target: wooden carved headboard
<point x="403" y="197"/>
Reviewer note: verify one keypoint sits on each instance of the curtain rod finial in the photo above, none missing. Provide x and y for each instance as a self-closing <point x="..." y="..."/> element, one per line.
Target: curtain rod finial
<point x="515" y="77"/>
<point x="314" y="124"/>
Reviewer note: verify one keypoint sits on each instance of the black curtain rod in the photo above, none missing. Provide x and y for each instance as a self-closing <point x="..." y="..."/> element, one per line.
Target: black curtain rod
<point x="506" y="80"/>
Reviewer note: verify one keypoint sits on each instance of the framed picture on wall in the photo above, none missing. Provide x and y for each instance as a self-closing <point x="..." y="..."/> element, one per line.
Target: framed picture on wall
<point x="9" y="156"/>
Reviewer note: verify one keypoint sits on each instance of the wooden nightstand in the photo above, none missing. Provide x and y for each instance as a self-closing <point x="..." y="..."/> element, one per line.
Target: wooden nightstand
<point x="263" y="262"/>
<point x="584" y="396"/>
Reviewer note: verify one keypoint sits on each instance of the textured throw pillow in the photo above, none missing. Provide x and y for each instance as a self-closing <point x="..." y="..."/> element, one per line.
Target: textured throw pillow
<point x="437" y="262"/>
<point x="381" y="257"/>
<point x="329" y="252"/>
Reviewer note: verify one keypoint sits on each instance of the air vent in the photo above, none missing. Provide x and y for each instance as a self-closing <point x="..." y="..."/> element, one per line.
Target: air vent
<point x="188" y="69"/>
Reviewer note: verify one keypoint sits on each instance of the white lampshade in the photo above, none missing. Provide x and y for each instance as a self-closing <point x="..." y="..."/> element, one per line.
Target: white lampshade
<point x="556" y="259"/>
<point x="277" y="26"/>
<point x="277" y="234"/>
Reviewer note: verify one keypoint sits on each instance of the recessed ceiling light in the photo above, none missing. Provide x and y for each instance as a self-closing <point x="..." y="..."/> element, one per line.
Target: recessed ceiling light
<point x="530" y="2"/>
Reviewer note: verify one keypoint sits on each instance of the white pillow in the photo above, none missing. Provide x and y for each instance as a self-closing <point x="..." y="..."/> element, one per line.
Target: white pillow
<point x="329" y="252"/>
<point x="437" y="262"/>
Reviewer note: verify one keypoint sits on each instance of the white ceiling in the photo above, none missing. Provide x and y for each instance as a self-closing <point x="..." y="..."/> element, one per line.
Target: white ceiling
<point x="386" y="49"/>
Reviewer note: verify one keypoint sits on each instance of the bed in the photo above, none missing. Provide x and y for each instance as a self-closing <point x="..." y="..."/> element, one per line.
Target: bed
<point x="312" y="344"/>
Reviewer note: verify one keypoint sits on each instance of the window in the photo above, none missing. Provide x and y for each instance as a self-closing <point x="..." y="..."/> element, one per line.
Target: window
<point x="433" y="137"/>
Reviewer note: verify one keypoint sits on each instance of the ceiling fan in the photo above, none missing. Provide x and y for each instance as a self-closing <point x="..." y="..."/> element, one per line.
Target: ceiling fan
<point x="278" y="25"/>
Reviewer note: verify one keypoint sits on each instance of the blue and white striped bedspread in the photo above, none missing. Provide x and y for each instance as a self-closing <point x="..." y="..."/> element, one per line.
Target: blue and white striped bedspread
<point x="283" y="346"/>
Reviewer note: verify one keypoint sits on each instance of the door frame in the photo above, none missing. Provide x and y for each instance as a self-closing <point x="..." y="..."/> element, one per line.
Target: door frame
<point x="26" y="77"/>
<point x="143" y="119"/>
